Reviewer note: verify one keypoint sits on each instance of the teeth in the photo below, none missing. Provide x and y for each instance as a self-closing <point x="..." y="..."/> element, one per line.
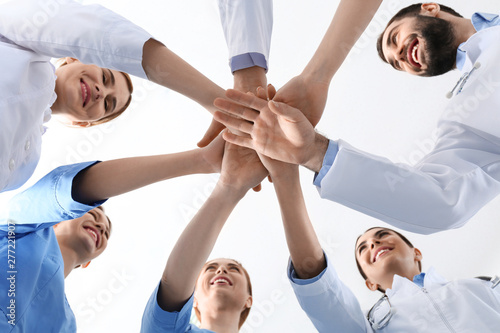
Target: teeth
<point x="220" y="280"/>
<point x="380" y="253"/>
<point x="414" y="54"/>
<point x="93" y="233"/>
<point x="85" y="90"/>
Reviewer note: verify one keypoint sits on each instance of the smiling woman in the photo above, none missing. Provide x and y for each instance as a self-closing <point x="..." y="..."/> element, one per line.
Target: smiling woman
<point x="84" y="94"/>
<point x="101" y="95"/>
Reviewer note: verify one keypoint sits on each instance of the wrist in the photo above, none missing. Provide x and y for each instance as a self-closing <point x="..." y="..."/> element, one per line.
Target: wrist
<point x="249" y="79"/>
<point x="317" y="155"/>
<point x="230" y="191"/>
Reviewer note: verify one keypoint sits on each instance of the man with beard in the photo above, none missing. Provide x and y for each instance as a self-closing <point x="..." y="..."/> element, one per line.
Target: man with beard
<point x="451" y="183"/>
<point x="423" y="39"/>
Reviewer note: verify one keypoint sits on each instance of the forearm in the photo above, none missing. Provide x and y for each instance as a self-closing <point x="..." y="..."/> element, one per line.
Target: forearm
<point x="164" y="67"/>
<point x="112" y="178"/>
<point x="303" y="244"/>
<point x="194" y="246"/>
<point x="350" y="20"/>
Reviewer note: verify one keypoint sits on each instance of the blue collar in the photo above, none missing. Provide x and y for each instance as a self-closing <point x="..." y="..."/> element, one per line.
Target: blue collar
<point x="419" y="280"/>
<point x="480" y="21"/>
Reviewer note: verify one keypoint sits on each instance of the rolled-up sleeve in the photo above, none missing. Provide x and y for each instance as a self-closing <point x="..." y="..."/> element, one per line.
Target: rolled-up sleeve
<point x="247" y="28"/>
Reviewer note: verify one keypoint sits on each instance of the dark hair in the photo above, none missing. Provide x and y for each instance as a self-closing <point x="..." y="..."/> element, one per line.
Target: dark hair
<point x="400" y="236"/>
<point x="410" y="11"/>
<point x="101" y="207"/>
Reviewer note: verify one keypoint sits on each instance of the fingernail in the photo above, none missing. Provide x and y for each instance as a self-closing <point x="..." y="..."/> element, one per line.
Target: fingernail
<point x="276" y="105"/>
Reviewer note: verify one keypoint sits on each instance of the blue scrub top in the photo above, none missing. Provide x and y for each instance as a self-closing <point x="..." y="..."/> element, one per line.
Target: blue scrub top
<point x="32" y="297"/>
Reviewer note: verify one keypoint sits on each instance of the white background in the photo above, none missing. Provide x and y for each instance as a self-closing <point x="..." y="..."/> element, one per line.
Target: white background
<point x="370" y="106"/>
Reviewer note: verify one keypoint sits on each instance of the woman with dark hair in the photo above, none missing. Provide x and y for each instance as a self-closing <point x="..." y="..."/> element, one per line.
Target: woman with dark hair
<point x="87" y="91"/>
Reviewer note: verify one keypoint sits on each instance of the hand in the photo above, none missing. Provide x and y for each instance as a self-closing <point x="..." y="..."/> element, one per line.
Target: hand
<point x="305" y="94"/>
<point x="278" y="170"/>
<point x="278" y="131"/>
<point x="213" y="130"/>
<point x="241" y="168"/>
<point x="212" y="154"/>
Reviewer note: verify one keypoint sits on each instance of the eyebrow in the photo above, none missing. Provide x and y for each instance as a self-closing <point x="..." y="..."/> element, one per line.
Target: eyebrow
<point x="377" y="235"/>
<point x="111" y="75"/>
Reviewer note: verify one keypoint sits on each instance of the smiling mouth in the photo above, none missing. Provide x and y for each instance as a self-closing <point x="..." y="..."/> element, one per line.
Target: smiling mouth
<point x="380" y="253"/>
<point x="85" y="92"/>
<point x="412" y="54"/>
<point x="94" y="234"/>
<point x="221" y="281"/>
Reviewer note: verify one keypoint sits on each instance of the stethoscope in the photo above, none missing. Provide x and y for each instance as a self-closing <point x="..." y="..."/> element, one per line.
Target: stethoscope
<point x="461" y="82"/>
<point x="378" y="324"/>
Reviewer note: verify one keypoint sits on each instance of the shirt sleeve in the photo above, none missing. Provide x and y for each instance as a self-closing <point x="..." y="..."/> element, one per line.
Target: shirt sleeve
<point x="47" y="202"/>
<point x="330" y="305"/>
<point x="157" y="320"/>
<point x="247" y="27"/>
<point x="443" y="191"/>
<point x="90" y="33"/>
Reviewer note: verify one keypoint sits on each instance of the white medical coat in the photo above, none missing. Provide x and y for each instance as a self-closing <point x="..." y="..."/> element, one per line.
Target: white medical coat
<point x="468" y="305"/>
<point x="456" y="179"/>
<point x="31" y="32"/>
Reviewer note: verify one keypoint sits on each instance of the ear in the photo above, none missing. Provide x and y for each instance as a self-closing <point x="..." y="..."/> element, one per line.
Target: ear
<point x="430" y="9"/>
<point x="418" y="254"/>
<point x="370" y="285"/>
<point x="81" y="123"/>
<point x="249" y="302"/>
<point x="195" y="302"/>
<point x="70" y="60"/>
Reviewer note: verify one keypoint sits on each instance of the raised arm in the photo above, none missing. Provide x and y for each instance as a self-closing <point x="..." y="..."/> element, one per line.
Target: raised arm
<point x="305" y="250"/>
<point x="196" y="242"/>
<point x="309" y="90"/>
<point x="443" y="191"/>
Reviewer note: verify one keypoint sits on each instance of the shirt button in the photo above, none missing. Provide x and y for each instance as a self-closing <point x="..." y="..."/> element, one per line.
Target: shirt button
<point x="12" y="164"/>
<point x="27" y="145"/>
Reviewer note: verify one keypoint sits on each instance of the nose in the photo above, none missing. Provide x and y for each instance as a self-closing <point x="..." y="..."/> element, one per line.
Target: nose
<point x="99" y="93"/>
<point x="373" y="243"/>
<point x="221" y="269"/>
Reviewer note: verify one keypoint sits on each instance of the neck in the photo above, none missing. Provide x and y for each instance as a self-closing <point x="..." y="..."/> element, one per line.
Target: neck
<point x="220" y="321"/>
<point x="70" y="258"/>
<point x="463" y="28"/>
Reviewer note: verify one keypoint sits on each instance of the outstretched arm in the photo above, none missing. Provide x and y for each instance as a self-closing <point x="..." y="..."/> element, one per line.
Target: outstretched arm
<point x="196" y="242"/>
<point x="107" y="179"/>
<point x="309" y="90"/>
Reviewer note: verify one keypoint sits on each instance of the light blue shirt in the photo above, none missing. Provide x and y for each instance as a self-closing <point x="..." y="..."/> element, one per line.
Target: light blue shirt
<point x="157" y="320"/>
<point x="480" y="21"/>
<point x="34" y="299"/>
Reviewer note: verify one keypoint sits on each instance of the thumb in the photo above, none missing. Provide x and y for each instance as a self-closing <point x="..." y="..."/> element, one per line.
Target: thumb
<point x="286" y="111"/>
<point x="213" y="130"/>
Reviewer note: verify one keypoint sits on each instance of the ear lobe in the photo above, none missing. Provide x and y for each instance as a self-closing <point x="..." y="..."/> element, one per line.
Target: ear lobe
<point x="195" y="302"/>
<point x="430" y="9"/>
<point x="370" y="285"/>
<point x="81" y="123"/>
<point x="249" y="302"/>
<point x="70" y="60"/>
<point x="418" y="254"/>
